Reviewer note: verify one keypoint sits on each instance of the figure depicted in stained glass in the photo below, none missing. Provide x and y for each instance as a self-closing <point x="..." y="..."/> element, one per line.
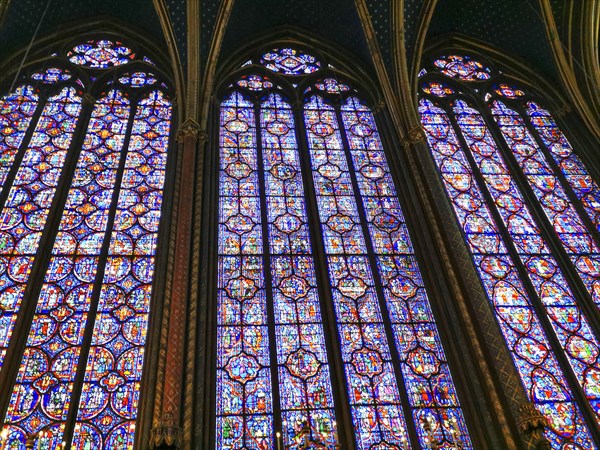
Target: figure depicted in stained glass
<point x="101" y="54"/>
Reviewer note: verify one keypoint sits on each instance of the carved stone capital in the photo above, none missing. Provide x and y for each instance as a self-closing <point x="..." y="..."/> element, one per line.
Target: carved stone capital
<point x="189" y="128"/>
<point x="202" y="136"/>
<point x="532" y="425"/>
<point x="166" y="434"/>
<point x="414" y="136"/>
<point x="88" y="99"/>
<point x="378" y="106"/>
<point x="563" y="110"/>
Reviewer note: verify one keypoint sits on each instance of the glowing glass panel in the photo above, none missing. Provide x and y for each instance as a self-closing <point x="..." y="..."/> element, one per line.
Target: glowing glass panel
<point x="16" y="110"/>
<point x="244" y="401"/>
<point x="111" y="388"/>
<point x="438" y="89"/>
<point x="508" y="91"/>
<point x="289" y="61"/>
<point x="138" y="79"/>
<point x="585" y="188"/>
<point x="42" y="393"/>
<point x="304" y="380"/>
<point x="568" y="322"/>
<point x="535" y="362"/>
<point x="371" y="382"/>
<point x="52" y="75"/>
<point x="26" y="210"/>
<point x="462" y="67"/>
<point x="254" y="82"/>
<point x="332" y="86"/>
<point x="568" y="225"/>
<point x="102" y="54"/>
<point x="427" y="378"/>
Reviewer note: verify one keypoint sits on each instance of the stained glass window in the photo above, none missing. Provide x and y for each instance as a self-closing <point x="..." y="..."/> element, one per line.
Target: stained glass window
<point x="290" y="61"/>
<point x="532" y="244"/>
<point x="101" y="54"/>
<point x="100" y="169"/>
<point x="138" y="79"/>
<point x="463" y="67"/>
<point x="52" y="75"/>
<point x="311" y="232"/>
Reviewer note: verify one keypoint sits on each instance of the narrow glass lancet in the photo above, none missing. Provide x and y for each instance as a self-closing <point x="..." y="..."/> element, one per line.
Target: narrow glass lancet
<point x="111" y="389"/>
<point x="16" y="111"/>
<point x="427" y="378"/>
<point x="564" y="218"/>
<point x="25" y="213"/>
<point x="42" y="393"/>
<point x="584" y="186"/>
<point x="304" y="380"/>
<point x="544" y="382"/>
<point x="244" y="406"/>
<point x="371" y="382"/>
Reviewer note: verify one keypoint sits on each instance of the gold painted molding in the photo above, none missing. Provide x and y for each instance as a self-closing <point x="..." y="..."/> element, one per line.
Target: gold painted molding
<point x="167" y="28"/>
<point x="194" y="26"/>
<point x="566" y="69"/>
<point x="425" y="17"/>
<point x="213" y="58"/>
<point x="382" y="75"/>
<point x="3" y="8"/>
<point x="582" y="41"/>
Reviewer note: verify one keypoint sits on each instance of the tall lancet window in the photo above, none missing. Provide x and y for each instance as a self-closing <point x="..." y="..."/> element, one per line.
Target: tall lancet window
<point x="529" y="209"/>
<point x="84" y="140"/>
<point x="323" y="320"/>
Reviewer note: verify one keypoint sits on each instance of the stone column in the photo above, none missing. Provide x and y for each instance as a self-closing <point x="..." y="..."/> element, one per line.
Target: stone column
<point x="167" y="432"/>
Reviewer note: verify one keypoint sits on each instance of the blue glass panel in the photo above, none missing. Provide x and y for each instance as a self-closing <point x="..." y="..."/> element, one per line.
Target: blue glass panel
<point x="564" y="218"/>
<point x="304" y="380"/>
<point x="570" y="324"/>
<point x="26" y="210"/>
<point x="111" y="391"/>
<point x="371" y="383"/>
<point x="52" y="351"/>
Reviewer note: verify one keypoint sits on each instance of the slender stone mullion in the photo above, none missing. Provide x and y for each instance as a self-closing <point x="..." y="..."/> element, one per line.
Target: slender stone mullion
<point x="10" y="177"/>
<point x="268" y="276"/>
